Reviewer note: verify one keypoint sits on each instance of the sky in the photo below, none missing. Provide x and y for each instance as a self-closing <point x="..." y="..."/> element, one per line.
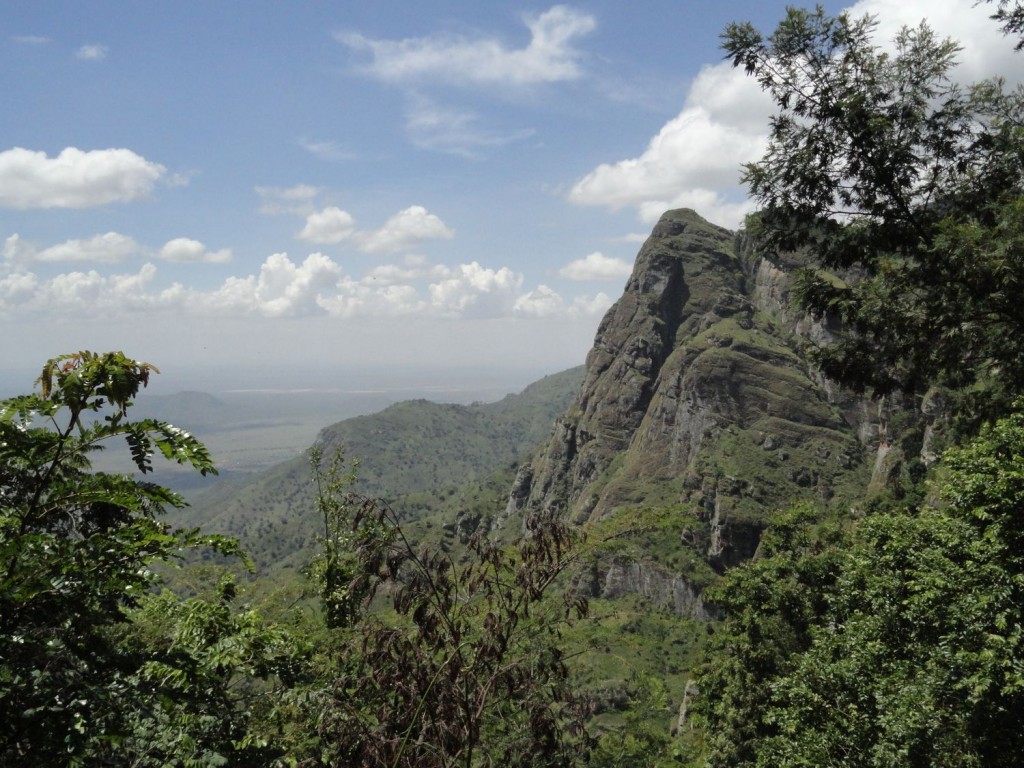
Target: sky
<point x="295" y="190"/>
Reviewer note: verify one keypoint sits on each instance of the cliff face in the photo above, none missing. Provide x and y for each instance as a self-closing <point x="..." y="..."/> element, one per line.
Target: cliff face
<point x="698" y="395"/>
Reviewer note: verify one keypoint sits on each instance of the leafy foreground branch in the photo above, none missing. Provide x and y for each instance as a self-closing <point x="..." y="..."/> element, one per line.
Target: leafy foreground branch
<point x="907" y="189"/>
<point x="78" y="682"/>
<point x="469" y="670"/>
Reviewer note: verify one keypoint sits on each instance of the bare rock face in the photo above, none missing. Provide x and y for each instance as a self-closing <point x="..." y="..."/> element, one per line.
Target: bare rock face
<point x="682" y="271"/>
<point x="693" y="356"/>
<point x="663" y="590"/>
<point x="698" y="395"/>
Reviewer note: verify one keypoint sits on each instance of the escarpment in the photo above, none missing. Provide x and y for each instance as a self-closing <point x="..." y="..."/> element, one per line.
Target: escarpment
<point x="699" y="396"/>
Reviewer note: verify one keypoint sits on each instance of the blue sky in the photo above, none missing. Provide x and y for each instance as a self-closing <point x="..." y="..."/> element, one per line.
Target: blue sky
<point x="315" y="186"/>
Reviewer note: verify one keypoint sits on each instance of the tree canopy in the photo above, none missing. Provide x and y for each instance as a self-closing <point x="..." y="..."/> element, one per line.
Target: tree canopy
<point x="905" y="185"/>
<point x="82" y="679"/>
<point x="894" y="641"/>
<point x="892" y="637"/>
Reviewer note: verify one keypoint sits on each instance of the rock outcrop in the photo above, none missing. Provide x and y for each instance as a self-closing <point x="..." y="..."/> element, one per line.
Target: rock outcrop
<point x="698" y="394"/>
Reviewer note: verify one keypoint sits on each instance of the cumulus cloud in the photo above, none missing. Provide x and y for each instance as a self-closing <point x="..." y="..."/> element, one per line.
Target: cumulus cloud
<point x="18" y="289"/>
<point x="399" y="274"/>
<point x="111" y="247"/>
<point x="542" y="302"/>
<point x="362" y="298"/>
<point x="550" y="56"/>
<point x="596" y="266"/>
<point x="591" y="307"/>
<point x="406" y="229"/>
<point x="88" y="293"/>
<point x="74" y="179"/>
<point x="183" y="249"/>
<point x="92" y="52"/>
<point x="475" y="290"/>
<point x="694" y="161"/>
<point x="17" y="250"/>
<point x="986" y="51"/>
<point x="107" y="248"/>
<point x="327" y="227"/>
<point x="281" y="289"/>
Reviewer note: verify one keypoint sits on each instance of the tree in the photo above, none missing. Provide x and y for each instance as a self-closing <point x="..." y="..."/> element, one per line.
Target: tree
<point x="907" y="187"/>
<point x="1010" y="13"/>
<point x="771" y="606"/>
<point x="217" y="684"/>
<point x="77" y="550"/>
<point x="912" y="651"/>
<point x="468" y="669"/>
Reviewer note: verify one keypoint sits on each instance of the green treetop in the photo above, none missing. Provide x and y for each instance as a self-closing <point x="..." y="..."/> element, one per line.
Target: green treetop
<point x="906" y="185"/>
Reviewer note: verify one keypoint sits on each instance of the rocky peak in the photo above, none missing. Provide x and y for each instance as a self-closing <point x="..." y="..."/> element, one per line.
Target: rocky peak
<point x="683" y="270"/>
<point x="698" y="395"/>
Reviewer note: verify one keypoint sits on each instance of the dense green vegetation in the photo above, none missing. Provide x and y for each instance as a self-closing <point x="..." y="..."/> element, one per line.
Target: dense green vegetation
<point x="81" y="680"/>
<point x="893" y="638"/>
<point x="873" y="627"/>
<point x="429" y="461"/>
<point x="97" y="667"/>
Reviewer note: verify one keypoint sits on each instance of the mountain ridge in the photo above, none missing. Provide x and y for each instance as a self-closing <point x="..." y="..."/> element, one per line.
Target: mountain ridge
<point x="700" y="397"/>
<point x="408" y="449"/>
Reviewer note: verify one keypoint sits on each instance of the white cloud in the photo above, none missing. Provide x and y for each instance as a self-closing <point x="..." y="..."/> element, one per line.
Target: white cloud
<point x="282" y="288"/>
<point x="317" y="286"/>
<point x="986" y="51"/>
<point x="74" y="179"/>
<point x="286" y="289"/>
<point x="18" y="251"/>
<point x="542" y="302"/>
<point x="18" y="289"/>
<point x="406" y="229"/>
<point x="475" y="290"/>
<point x="363" y="298"/>
<point x="397" y="274"/>
<point x="107" y="248"/>
<point x="550" y="55"/>
<point x="694" y="161"/>
<point x="111" y="247"/>
<point x="83" y="294"/>
<point x="591" y="307"/>
<point x="183" y="249"/>
<point x="442" y="129"/>
<point x="92" y="52"/>
<point x="329" y="226"/>
<point x="596" y="266"/>
<point x="31" y="39"/>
